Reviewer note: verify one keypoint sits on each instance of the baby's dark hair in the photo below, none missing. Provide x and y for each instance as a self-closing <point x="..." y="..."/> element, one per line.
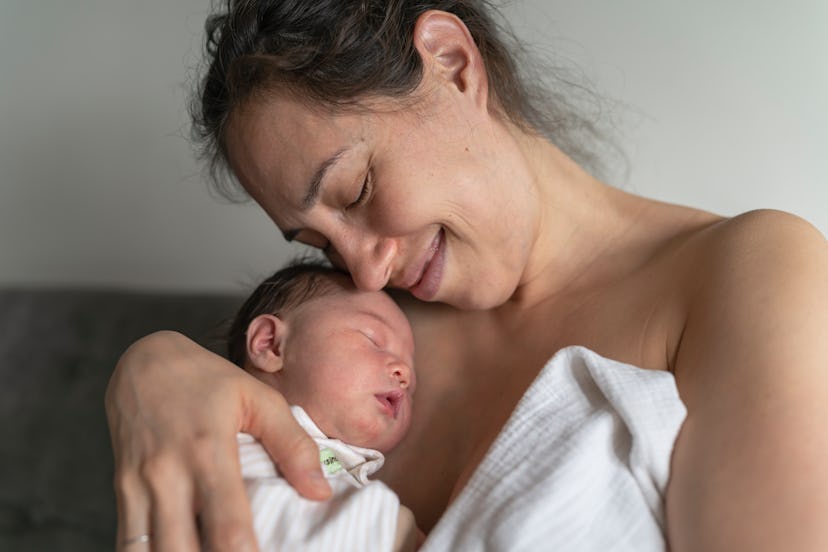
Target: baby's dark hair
<point x="296" y="283"/>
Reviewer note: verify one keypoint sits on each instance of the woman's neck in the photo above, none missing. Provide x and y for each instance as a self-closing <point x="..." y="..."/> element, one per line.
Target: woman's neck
<point x="587" y="233"/>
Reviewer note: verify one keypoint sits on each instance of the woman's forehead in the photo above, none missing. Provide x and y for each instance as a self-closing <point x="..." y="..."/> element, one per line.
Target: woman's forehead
<point x="282" y="140"/>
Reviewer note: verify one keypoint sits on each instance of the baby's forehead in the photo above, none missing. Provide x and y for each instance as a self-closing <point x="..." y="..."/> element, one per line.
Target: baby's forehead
<point x="349" y="297"/>
<point x="376" y="304"/>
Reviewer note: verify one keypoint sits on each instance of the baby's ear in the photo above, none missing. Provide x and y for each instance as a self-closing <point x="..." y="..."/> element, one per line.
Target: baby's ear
<point x="264" y="343"/>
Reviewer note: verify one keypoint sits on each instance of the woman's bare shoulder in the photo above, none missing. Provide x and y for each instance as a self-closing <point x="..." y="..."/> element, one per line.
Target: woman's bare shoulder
<point x="754" y="251"/>
<point x="755" y="231"/>
<point x="751" y="369"/>
<point x="760" y="253"/>
<point x="754" y="279"/>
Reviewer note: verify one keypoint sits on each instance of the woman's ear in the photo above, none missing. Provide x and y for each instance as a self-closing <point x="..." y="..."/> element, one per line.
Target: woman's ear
<point x="265" y="335"/>
<point x="450" y="54"/>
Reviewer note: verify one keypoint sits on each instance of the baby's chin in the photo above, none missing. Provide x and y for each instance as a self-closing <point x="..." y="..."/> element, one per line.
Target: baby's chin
<point x="375" y="433"/>
<point x="384" y="440"/>
<point x="388" y="444"/>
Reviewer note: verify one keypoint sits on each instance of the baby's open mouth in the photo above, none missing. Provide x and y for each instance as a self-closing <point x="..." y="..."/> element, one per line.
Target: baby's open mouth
<point x="391" y="402"/>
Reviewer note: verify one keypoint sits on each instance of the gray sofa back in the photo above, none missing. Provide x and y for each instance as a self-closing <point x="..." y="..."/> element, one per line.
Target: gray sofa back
<point x="57" y="351"/>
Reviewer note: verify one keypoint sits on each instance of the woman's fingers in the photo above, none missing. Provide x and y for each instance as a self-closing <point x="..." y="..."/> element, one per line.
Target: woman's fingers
<point x="173" y="524"/>
<point x="155" y="507"/>
<point x="174" y="409"/>
<point x="132" y="496"/>
<point x="288" y="444"/>
<point x="224" y="506"/>
<point x="133" y="506"/>
<point x="298" y="459"/>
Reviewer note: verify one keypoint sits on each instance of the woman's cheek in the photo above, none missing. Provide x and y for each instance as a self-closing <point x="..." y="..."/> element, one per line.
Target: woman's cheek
<point x="398" y="218"/>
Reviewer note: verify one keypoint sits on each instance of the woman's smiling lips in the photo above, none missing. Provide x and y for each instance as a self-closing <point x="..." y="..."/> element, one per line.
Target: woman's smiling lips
<point x="427" y="284"/>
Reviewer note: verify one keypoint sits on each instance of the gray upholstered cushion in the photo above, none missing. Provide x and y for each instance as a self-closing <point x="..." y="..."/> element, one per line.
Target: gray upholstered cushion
<point x="57" y="350"/>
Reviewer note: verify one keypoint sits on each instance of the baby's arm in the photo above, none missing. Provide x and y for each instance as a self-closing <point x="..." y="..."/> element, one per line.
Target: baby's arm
<point x="407" y="533"/>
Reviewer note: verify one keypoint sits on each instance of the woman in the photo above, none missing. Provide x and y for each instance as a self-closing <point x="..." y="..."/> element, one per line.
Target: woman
<point x="395" y="138"/>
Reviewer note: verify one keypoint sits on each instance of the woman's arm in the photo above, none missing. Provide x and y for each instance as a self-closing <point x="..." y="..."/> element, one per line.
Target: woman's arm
<point x="749" y="467"/>
<point x="174" y="409"/>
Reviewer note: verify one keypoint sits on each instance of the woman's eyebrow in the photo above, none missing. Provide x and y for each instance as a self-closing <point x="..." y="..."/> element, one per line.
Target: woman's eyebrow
<point x="312" y="195"/>
<point x="315" y="186"/>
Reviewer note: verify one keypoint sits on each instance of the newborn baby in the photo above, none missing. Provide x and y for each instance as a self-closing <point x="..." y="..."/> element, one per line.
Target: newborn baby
<point x="343" y="359"/>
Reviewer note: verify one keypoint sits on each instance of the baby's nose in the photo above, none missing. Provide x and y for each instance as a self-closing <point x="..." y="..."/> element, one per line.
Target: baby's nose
<point x="401" y="374"/>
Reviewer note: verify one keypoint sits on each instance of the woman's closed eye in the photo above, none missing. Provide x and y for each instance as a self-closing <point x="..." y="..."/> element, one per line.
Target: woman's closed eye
<point x="364" y="192"/>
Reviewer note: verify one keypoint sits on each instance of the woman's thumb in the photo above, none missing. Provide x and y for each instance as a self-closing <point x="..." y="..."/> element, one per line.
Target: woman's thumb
<point x="270" y="420"/>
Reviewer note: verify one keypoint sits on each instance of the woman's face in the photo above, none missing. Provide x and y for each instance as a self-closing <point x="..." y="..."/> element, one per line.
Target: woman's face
<point x="437" y="199"/>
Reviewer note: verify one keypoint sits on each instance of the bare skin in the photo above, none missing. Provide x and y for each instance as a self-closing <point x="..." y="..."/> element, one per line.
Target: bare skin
<point x="613" y="310"/>
<point x="407" y="537"/>
<point x="735" y="308"/>
<point x="655" y="328"/>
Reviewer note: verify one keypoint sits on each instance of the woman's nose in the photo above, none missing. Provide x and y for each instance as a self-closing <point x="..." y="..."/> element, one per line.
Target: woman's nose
<point x="368" y="260"/>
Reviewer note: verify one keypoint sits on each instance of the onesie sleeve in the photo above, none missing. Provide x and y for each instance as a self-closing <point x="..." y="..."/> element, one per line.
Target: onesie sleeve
<point x="353" y="519"/>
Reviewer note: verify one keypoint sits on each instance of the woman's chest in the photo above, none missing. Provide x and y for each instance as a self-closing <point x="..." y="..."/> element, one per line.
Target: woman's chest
<point x="473" y="369"/>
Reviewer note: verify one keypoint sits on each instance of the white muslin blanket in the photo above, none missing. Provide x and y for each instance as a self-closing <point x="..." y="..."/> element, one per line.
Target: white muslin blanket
<point x="581" y="465"/>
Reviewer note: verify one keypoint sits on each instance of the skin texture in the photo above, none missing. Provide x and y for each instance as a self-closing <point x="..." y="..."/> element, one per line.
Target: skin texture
<point x="538" y="255"/>
<point x="445" y="181"/>
<point x="339" y="356"/>
<point x="408" y="537"/>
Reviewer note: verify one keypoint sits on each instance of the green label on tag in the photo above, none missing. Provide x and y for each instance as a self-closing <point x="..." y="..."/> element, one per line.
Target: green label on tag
<point x="330" y="463"/>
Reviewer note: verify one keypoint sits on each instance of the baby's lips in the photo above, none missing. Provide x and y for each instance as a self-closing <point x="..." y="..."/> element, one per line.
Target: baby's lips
<point x="391" y="401"/>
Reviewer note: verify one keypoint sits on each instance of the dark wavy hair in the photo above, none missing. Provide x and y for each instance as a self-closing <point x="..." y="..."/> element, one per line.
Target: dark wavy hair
<point x="298" y="282"/>
<point x="337" y="53"/>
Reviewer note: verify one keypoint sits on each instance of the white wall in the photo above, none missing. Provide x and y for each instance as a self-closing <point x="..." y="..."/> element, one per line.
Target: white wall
<point x="725" y="109"/>
<point x="726" y="101"/>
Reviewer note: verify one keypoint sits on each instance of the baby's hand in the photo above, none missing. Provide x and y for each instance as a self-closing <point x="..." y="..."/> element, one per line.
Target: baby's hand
<point x="409" y="537"/>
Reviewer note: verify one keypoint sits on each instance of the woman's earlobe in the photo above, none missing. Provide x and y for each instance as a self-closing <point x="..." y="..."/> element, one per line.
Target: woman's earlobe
<point x="265" y="336"/>
<point x="448" y="49"/>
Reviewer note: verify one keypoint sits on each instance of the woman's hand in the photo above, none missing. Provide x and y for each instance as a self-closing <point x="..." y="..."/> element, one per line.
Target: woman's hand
<point x="174" y="409"/>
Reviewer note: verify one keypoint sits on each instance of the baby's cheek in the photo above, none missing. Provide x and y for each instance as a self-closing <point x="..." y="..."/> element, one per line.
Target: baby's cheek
<point x="367" y="430"/>
<point x="321" y="417"/>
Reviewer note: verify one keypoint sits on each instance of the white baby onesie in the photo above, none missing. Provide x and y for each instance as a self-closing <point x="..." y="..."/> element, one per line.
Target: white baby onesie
<point x="361" y="514"/>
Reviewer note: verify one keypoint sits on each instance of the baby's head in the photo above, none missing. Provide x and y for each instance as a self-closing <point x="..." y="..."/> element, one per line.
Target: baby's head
<point x="344" y="355"/>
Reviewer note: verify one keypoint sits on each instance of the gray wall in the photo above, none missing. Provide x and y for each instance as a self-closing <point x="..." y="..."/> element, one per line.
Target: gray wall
<point x="721" y="105"/>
